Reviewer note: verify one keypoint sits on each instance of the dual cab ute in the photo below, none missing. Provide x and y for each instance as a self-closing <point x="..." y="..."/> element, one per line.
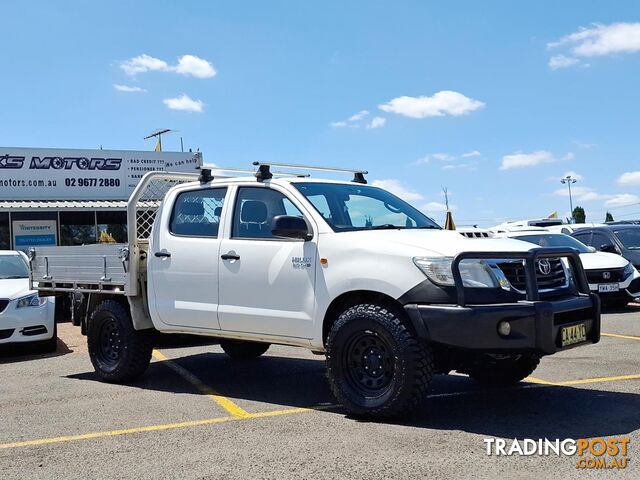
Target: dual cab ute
<point x="338" y="267"/>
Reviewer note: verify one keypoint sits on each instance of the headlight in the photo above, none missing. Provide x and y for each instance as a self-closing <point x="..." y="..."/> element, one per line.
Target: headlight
<point x="474" y="273"/>
<point x="628" y="270"/>
<point x="32" y="300"/>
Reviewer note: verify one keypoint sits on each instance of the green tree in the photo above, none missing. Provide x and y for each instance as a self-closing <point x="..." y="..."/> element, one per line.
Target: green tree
<point x="579" y="215"/>
<point x="609" y="217"/>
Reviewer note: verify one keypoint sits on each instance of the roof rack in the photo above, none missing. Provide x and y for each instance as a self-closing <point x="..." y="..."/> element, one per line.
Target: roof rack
<point x="264" y="170"/>
<point x="206" y="173"/>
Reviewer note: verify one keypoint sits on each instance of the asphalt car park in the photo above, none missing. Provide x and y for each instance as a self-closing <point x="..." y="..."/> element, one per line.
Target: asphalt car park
<point x="197" y="414"/>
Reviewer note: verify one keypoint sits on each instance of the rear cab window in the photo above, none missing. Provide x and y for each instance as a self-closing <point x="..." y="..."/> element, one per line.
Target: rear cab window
<point x="196" y="213"/>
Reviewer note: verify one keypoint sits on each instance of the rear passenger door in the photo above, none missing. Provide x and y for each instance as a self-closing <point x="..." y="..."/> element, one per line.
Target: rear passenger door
<point x="183" y="263"/>
<point x="266" y="283"/>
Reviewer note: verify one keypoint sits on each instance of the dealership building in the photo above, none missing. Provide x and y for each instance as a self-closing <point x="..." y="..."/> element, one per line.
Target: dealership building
<point x="72" y="197"/>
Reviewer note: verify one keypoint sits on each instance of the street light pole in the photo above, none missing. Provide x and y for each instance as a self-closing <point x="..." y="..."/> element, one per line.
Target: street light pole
<point x="569" y="180"/>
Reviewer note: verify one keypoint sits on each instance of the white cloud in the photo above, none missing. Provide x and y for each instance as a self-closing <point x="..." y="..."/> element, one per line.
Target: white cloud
<point x="352" y="121"/>
<point x="562" y="61"/>
<point x="602" y="40"/>
<point x="358" y="116"/>
<point x="520" y="160"/>
<point x="472" y="153"/>
<point x="582" y="194"/>
<point x="396" y="187"/>
<point x="442" y="103"/>
<point x="436" y="207"/>
<point x="622" y="200"/>
<point x="187" y="65"/>
<point x="443" y="157"/>
<point x="128" y="89"/>
<point x="143" y="63"/>
<point x="629" y="178"/>
<point x="194" y="66"/>
<point x="184" y="103"/>
<point x="460" y="166"/>
<point x="597" y="40"/>
<point x="377" y="122"/>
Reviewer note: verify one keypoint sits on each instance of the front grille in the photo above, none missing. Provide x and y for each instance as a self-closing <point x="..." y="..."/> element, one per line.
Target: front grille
<point x="600" y="276"/>
<point x="3" y="305"/>
<point x="515" y="273"/>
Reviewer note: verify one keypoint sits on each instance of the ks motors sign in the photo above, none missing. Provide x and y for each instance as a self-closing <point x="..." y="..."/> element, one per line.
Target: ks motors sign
<point x="66" y="174"/>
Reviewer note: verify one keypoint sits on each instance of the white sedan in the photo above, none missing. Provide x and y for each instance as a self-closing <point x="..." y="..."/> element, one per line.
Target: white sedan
<point x="24" y="317"/>
<point x="611" y="276"/>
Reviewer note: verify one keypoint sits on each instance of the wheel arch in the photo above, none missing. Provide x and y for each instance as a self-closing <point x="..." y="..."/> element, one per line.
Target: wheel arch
<point x="355" y="297"/>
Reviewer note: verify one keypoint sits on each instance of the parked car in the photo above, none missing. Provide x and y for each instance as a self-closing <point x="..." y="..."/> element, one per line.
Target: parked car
<point x="341" y="268"/>
<point x="623" y="239"/>
<point x="24" y="316"/>
<point x="611" y="276"/>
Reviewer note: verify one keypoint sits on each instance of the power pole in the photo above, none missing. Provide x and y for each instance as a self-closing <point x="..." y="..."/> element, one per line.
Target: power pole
<point x="568" y="180"/>
<point x="158" y="133"/>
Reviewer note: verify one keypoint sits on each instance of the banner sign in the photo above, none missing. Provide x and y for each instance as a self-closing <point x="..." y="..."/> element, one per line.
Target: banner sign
<point x="66" y="174"/>
<point x="34" y="233"/>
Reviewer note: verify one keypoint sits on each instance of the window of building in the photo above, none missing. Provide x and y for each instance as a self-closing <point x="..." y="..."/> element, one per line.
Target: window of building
<point x="112" y="227"/>
<point x="255" y="209"/>
<point x="197" y="213"/>
<point x="77" y="228"/>
<point x="5" y="231"/>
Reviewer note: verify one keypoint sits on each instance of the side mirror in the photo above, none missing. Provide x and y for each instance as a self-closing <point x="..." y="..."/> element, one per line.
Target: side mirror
<point x="288" y="226"/>
<point x="609" y="248"/>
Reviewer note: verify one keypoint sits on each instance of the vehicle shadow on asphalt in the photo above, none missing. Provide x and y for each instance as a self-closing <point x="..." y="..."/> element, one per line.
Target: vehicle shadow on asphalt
<point x="26" y="352"/>
<point x="456" y="402"/>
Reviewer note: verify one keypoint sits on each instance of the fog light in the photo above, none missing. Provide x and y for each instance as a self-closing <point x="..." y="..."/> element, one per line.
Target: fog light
<point x="504" y="329"/>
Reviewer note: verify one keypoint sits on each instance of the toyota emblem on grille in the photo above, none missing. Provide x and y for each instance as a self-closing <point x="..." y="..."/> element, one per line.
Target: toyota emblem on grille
<point x="544" y="266"/>
<point x="606" y="275"/>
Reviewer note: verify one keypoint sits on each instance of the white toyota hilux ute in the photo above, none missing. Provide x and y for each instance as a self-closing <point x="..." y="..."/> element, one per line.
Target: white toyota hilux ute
<point x="341" y="268"/>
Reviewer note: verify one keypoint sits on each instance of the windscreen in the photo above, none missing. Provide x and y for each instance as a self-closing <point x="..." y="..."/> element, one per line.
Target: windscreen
<point x="630" y="238"/>
<point x="554" y="240"/>
<point x="361" y="207"/>
<point x="13" y="266"/>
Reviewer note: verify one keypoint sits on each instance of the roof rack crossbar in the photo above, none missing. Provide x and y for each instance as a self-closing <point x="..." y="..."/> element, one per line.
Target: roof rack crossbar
<point x="264" y="170"/>
<point x="206" y="174"/>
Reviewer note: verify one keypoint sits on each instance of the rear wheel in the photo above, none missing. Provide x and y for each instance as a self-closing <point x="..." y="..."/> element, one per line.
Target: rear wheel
<point x="502" y="370"/>
<point x="376" y="367"/>
<point x="239" y="350"/>
<point x="118" y="352"/>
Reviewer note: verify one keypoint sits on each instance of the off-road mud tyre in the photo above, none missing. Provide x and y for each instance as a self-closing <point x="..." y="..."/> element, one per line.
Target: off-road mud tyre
<point x="376" y="367"/>
<point x="118" y="352"/>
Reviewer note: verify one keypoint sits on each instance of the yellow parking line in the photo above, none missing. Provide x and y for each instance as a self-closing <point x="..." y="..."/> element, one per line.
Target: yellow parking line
<point x="151" y="428"/>
<point x="600" y="379"/>
<point x="224" y="402"/>
<point x="538" y="381"/>
<point x="617" y="335"/>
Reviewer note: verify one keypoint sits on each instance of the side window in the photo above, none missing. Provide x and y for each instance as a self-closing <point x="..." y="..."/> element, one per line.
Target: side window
<point x="600" y="239"/>
<point x="584" y="238"/>
<point x="197" y="213"/>
<point x="254" y="210"/>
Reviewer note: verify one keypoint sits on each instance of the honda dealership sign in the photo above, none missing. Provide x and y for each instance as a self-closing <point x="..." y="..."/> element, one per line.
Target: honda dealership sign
<point x="63" y="174"/>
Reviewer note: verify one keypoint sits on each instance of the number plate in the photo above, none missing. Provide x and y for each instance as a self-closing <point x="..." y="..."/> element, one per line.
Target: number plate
<point x="608" y="287"/>
<point x="574" y="334"/>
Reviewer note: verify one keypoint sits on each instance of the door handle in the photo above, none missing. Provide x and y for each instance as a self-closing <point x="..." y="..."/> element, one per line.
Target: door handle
<point x="230" y="256"/>
<point x="162" y="254"/>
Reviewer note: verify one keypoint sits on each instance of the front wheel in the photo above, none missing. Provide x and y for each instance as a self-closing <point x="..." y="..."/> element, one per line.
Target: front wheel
<point x="118" y="352"/>
<point x="375" y="365"/>
<point x="502" y="370"/>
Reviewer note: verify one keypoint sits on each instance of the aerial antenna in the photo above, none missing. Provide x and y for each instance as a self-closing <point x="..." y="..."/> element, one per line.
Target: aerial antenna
<point x="445" y="191"/>
<point x="158" y="133"/>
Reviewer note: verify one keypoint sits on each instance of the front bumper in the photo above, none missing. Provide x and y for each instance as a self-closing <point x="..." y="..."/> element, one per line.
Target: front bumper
<point x="29" y="324"/>
<point x="536" y="326"/>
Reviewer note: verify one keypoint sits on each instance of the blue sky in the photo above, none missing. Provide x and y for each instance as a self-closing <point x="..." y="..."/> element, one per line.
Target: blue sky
<point x="494" y="100"/>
